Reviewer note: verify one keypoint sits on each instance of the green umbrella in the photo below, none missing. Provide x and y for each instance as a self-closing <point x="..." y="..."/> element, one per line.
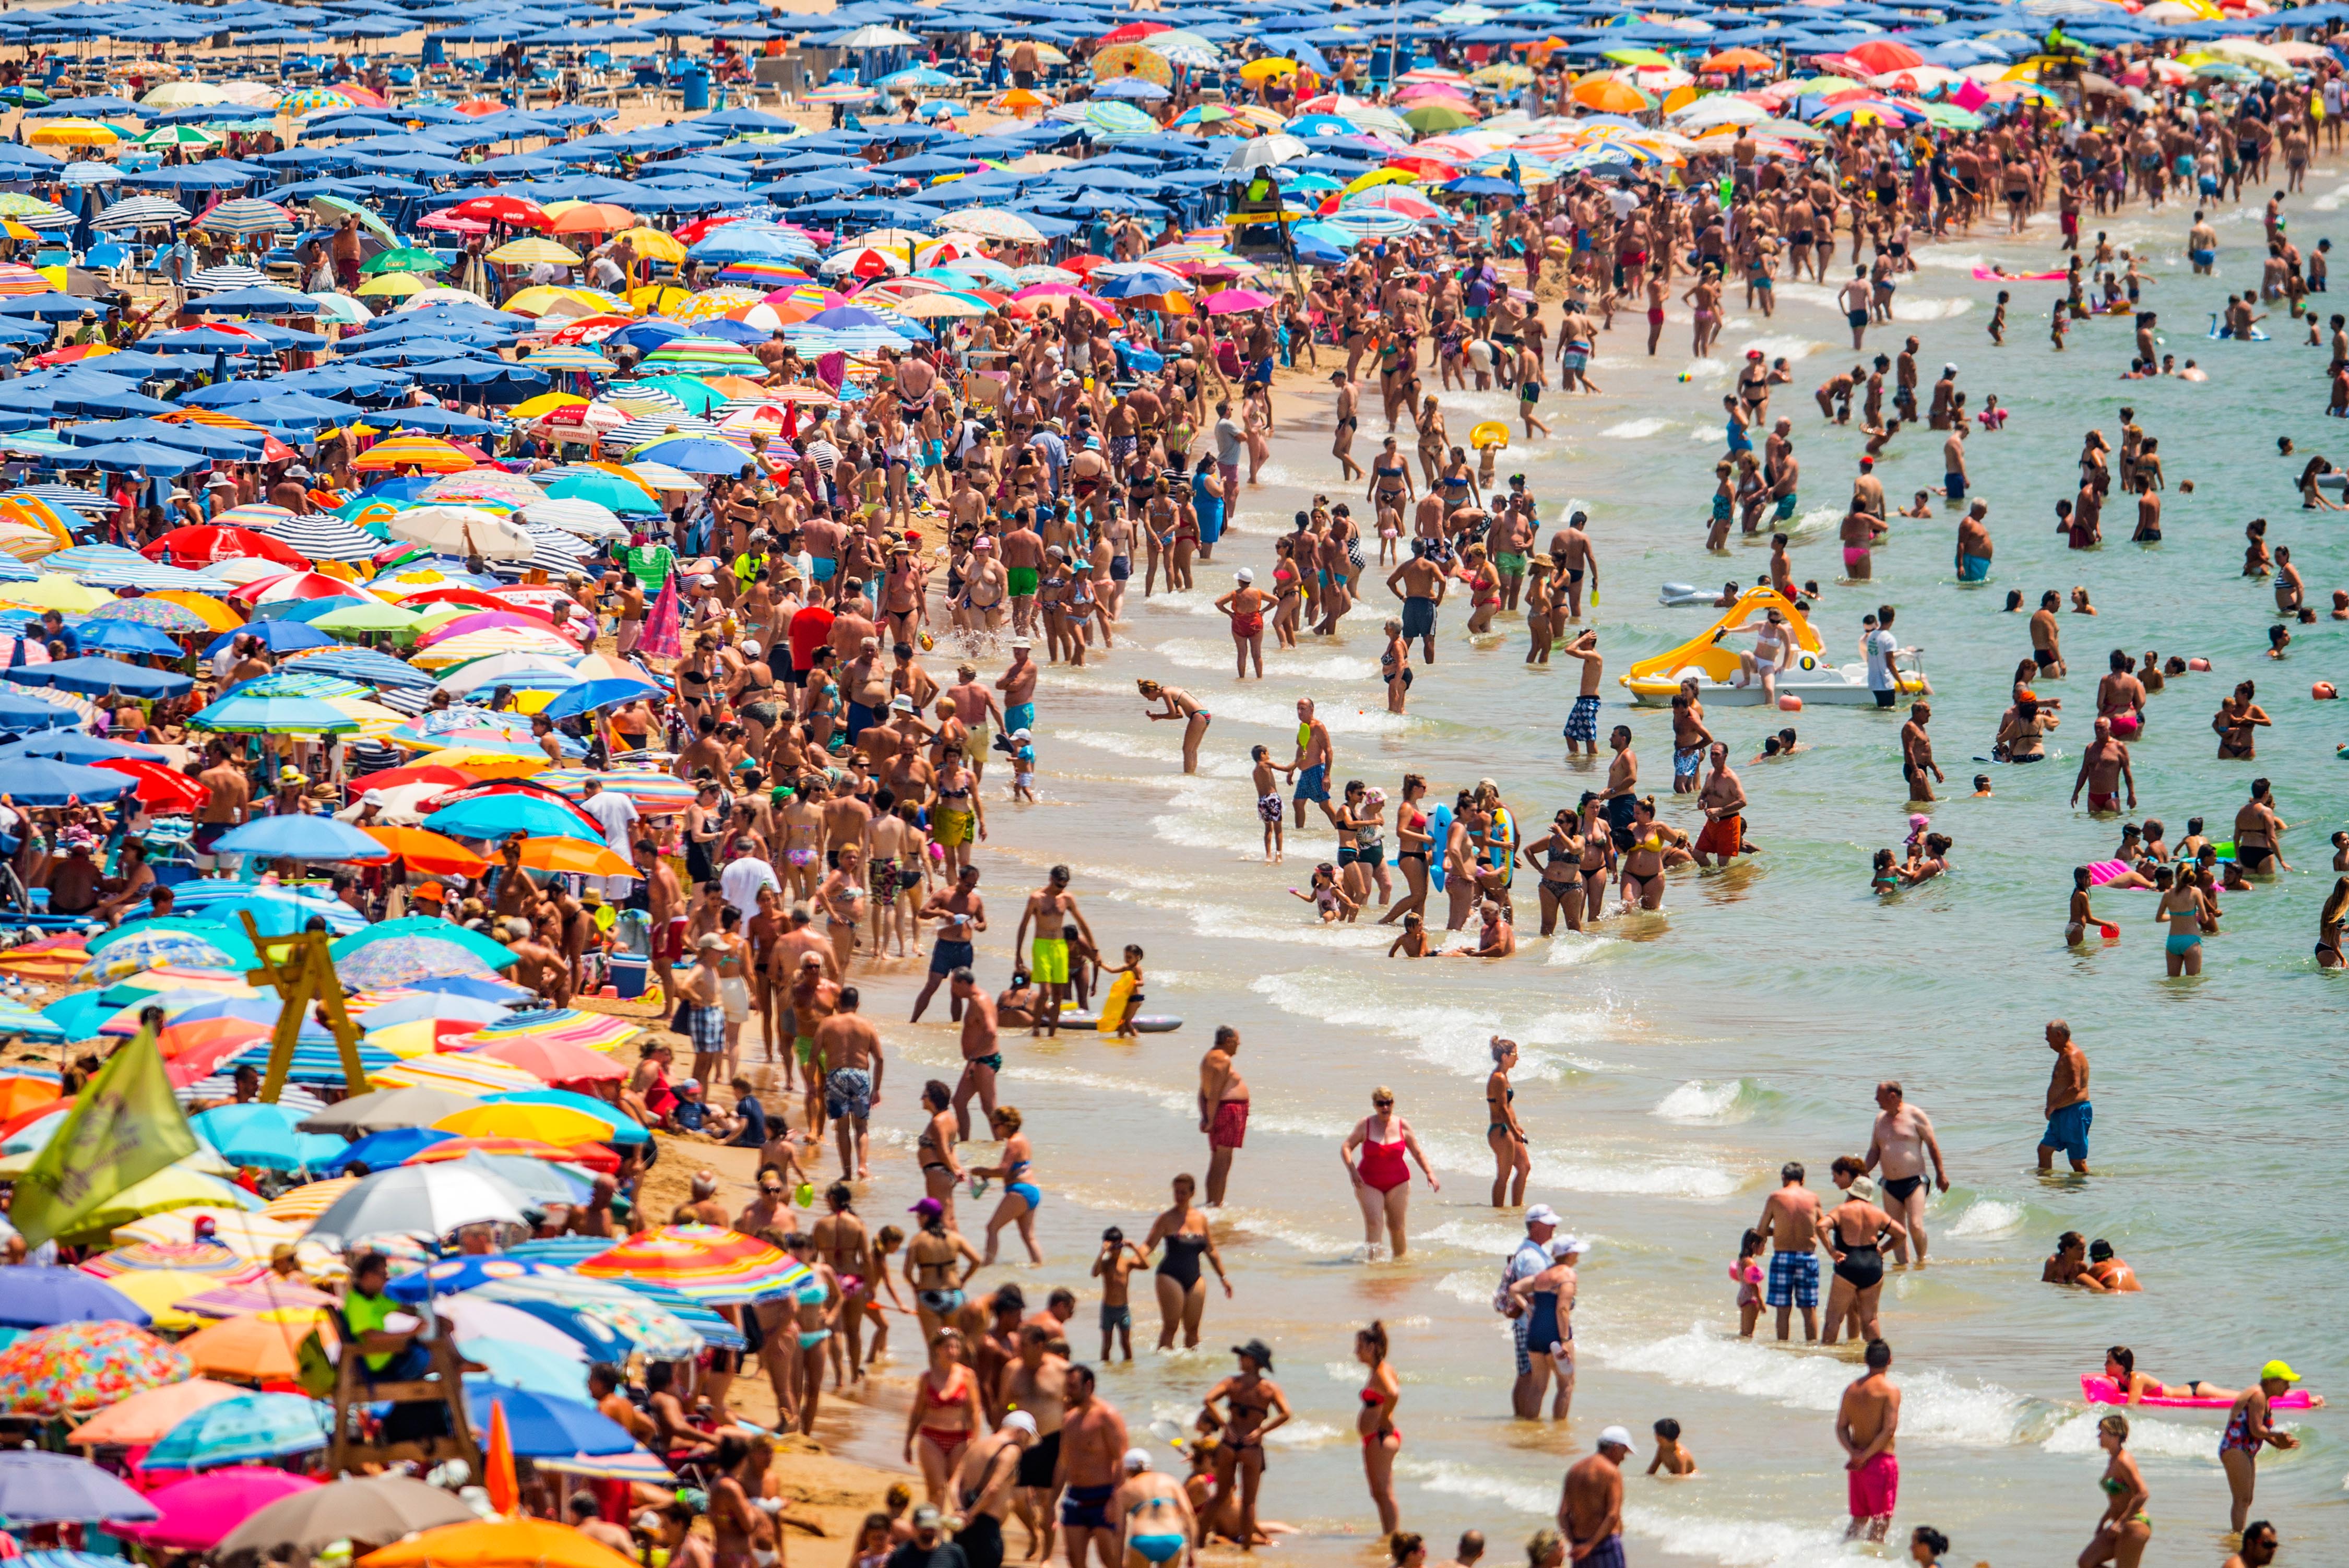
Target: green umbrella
<point x="1950" y="116"/>
<point x="1437" y="116"/>
<point x="407" y="259"/>
<point x="179" y="136"/>
<point x="358" y="618"/>
<point x="335" y="207"/>
<point x="1628" y="57"/>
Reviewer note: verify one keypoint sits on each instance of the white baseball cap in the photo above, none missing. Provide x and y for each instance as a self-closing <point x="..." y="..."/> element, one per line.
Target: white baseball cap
<point x="1019" y="1421"/>
<point x="1567" y="1246"/>
<point x="1616" y="1436"/>
<point x="1137" y="1459"/>
<point x="1541" y="1214"/>
<point x="1244" y="575"/>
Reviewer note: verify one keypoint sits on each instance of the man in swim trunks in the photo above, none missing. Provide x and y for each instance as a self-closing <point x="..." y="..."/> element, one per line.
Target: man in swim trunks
<point x="1315" y="756"/>
<point x="1866" y="1425"/>
<point x="1791" y="1221"/>
<point x="1590" y="1505"/>
<point x="1048" y="909"/>
<point x="1092" y="1466"/>
<point x="1223" y="1109"/>
<point x="2069" y="1111"/>
<point x="1419" y="581"/>
<point x="2104" y="773"/>
<point x="1018" y="685"/>
<point x="1582" y="723"/>
<point x="1901" y="1141"/>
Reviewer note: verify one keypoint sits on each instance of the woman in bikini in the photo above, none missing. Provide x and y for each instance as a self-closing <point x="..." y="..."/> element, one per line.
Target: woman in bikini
<point x="1483" y="584"/>
<point x="944" y="1415"/>
<point x="1288" y="593"/>
<point x="2120" y="1366"/>
<point x="933" y="1260"/>
<point x="1391" y="488"/>
<point x="1380" y="1173"/>
<point x="1394" y="665"/>
<point x="1159" y="516"/>
<point x="942" y="1173"/>
<point x="1413" y="843"/>
<point x="1181" y="1293"/>
<point x="1561" y="871"/>
<point x="1642" y="875"/>
<point x="841" y="895"/>
<point x="2126" y="1528"/>
<point x="1512" y="1159"/>
<point x="1021" y="1196"/>
<point x="1374" y="1423"/>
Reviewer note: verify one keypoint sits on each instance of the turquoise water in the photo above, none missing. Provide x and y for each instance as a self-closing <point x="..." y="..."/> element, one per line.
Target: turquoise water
<point x="1675" y="1060"/>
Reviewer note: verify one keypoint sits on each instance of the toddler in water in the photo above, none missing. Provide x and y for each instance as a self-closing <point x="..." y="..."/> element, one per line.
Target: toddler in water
<point x="1268" y="808"/>
<point x="1672" y="1458"/>
<point x="1747" y="1272"/>
<point x="1329" y="900"/>
<point x="1023" y="766"/>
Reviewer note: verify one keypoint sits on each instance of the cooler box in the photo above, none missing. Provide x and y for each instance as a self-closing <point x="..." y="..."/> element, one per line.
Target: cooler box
<point x="628" y="974"/>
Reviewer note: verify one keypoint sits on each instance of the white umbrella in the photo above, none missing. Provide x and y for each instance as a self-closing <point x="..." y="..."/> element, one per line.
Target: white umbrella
<point x="1266" y="151"/>
<point x="458" y="529"/>
<point x="993" y="224"/>
<point x="877" y="37"/>
<point x="1717" y="108"/>
<point x="475" y="1318"/>
<point x="423" y="1200"/>
<point x="384" y="1109"/>
<point x="505" y="668"/>
<point x="577" y="514"/>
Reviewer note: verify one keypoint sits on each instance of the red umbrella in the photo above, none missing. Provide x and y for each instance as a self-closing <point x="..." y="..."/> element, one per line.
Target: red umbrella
<point x="1134" y="32"/>
<point x="292" y="586"/>
<point x="693" y="233"/>
<point x="590" y="329"/>
<point x="1084" y="262"/>
<point x="1881" y="55"/>
<point x="552" y="1060"/>
<point x="501" y="210"/>
<point x="435" y="773"/>
<point x="460" y="595"/>
<point x="203" y="545"/>
<point x="158" y="785"/>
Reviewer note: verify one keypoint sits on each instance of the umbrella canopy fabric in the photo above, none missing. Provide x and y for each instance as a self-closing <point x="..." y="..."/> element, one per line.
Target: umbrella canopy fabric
<point x="366" y="1510"/>
<point x="706" y="1263"/>
<point x="37" y="1487"/>
<point x="422" y="1201"/>
<point x="385" y="1110"/>
<point x="541" y="1424"/>
<point x="302" y="837"/>
<point x="201" y="1509"/>
<point x="73" y="1368"/>
<point x="36" y="1298"/>
<point x="144" y="1417"/>
<point x="400" y="960"/>
<point x="498" y="1544"/>
<point x="250" y="1427"/>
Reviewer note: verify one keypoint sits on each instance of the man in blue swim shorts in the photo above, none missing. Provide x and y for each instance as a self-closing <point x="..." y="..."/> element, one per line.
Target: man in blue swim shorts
<point x="1311" y="764"/>
<point x="2069" y="1111"/>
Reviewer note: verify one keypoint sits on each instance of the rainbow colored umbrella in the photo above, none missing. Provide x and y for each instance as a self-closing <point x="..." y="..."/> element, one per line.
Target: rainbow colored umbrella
<point x="707" y="1264"/>
<point x="654" y="794"/>
<point x="193" y="1257"/>
<point x="75" y="1368"/>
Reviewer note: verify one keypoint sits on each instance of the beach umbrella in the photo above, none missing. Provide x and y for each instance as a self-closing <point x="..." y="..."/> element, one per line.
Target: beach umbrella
<point x="248" y="216"/>
<point x="544" y="1123"/>
<point x="708" y="1264"/>
<point x="38" y="1488"/>
<point x="462" y="529"/>
<point x="492" y="817"/>
<point x="268" y="1293"/>
<point x="385" y="1109"/>
<point x="554" y="1060"/>
<point x="498" y="1542"/>
<point x="201" y="1509"/>
<point x="143" y="950"/>
<point x="364" y="1511"/>
<point x="402" y="960"/>
<point x="623" y="1129"/>
<point x="540" y="1424"/>
<point x="452" y="1276"/>
<point x="38" y="1296"/>
<point x="534" y="1368"/>
<point x="233" y="1431"/>
<point x="73" y="1369"/>
<point x="516" y="210"/>
<point x="427" y="453"/>
<point x="145" y="1417"/>
<point x="423" y="1200"/>
<point x="257" y="1347"/>
<point x="301" y="836"/>
<point x="157" y="1292"/>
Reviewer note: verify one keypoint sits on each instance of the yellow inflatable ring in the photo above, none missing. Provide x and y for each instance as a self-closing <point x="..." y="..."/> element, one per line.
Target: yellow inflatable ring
<point x="1491" y="433"/>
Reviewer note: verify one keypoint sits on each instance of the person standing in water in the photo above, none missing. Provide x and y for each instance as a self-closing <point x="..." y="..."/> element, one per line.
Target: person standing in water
<point x="1901" y="1143"/>
<point x="1791" y="1218"/>
<point x="1223" y="1109"/>
<point x="2069" y="1111"/>
<point x="1380" y="1176"/>
<point x="1867" y="1424"/>
<point x="2248" y="1431"/>
<point x="1153" y="1515"/>
<point x="2125" y="1527"/>
<point x="1512" y="1159"/>
<point x="1590" y="1504"/>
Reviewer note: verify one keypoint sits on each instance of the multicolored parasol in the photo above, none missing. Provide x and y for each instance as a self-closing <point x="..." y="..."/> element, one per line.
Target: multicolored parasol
<point x="707" y="1264"/>
<point x="75" y="1368"/>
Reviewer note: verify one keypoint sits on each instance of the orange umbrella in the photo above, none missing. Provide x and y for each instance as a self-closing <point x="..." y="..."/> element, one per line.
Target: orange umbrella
<point x="553" y="1058"/>
<point x="1608" y="95"/>
<point x="428" y="453"/>
<point x="593" y="218"/>
<point x="429" y="851"/>
<point x="518" y="1543"/>
<point x="185" y="1039"/>
<point x="574" y="856"/>
<point x="143" y="1417"/>
<point x="1738" y="59"/>
<point x="259" y="1348"/>
<point x="504" y="1489"/>
<point x="18" y="1095"/>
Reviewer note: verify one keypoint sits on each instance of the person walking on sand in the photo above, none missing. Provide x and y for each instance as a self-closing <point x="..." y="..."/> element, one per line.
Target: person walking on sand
<point x="1900" y="1142"/>
<point x="2069" y="1111"/>
<point x="1381" y="1175"/>
<point x="1590" y="1505"/>
<point x="1867" y="1423"/>
<point x="1791" y="1218"/>
<point x="1223" y="1109"/>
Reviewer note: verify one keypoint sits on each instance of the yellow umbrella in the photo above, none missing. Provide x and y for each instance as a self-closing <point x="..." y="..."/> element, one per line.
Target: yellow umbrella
<point x="170" y="1187"/>
<point x="160" y="1291"/>
<point x="74" y="133"/>
<point x="416" y="1038"/>
<point x="393" y="286"/>
<point x="1383" y="177"/>
<point x="545" y="403"/>
<point x="218" y="617"/>
<point x="557" y="1124"/>
<point x="1266" y="69"/>
<point x="531" y="249"/>
<point x="484" y="764"/>
<point x="1046" y="55"/>
<point x="312" y="1198"/>
<point x="53" y="590"/>
<point x="1503" y="76"/>
<point x="657" y="299"/>
<point x="653" y="244"/>
<point x="554" y="299"/>
<point x="1133" y="60"/>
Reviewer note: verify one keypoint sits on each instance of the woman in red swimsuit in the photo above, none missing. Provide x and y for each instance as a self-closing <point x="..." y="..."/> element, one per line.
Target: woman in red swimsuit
<point x="945" y="1415"/>
<point x="1380" y="1173"/>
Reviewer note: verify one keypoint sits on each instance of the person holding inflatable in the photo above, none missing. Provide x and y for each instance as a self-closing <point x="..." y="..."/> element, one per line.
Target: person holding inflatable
<point x="2248" y="1432"/>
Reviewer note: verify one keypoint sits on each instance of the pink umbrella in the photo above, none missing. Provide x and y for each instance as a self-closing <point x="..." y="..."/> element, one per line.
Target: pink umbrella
<point x="1229" y="301"/>
<point x="483" y="621"/>
<point x="1047" y="291"/>
<point x="1432" y="92"/>
<point x="200" y="1510"/>
<point x="449" y="222"/>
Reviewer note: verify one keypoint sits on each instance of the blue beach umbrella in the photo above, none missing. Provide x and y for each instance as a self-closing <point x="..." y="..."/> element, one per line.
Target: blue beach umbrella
<point x="302" y="837"/>
<point x="248" y="1426"/>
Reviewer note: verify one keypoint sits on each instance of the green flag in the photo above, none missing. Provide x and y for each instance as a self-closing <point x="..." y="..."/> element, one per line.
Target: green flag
<point x="125" y="1126"/>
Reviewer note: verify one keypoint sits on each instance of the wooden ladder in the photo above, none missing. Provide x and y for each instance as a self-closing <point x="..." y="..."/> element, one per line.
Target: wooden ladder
<point x="448" y="1388"/>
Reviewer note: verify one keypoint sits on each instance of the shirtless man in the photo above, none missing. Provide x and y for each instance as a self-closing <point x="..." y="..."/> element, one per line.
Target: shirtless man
<point x="1091" y="1464"/>
<point x="2047" y="637"/>
<point x="1723" y="800"/>
<point x="850" y="1048"/>
<point x="976" y="708"/>
<point x="2104" y="773"/>
<point x="1791" y="1221"/>
<point x="982" y="1050"/>
<point x="1865" y="1424"/>
<point x="228" y="800"/>
<point x="960" y="911"/>
<point x="1018" y="685"/>
<point x="1576" y="557"/>
<point x="1901" y="1141"/>
<point x="1419" y="582"/>
<point x="2069" y="1109"/>
<point x="1582" y="723"/>
<point x="1036" y="1381"/>
<point x="1153" y="1515"/>
<point x="1223" y="1109"/>
<point x="1316" y="755"/>
<point x="1590" y="1505"/>
<point x="1048" y="909"/>
<point x="988" y="1478"/>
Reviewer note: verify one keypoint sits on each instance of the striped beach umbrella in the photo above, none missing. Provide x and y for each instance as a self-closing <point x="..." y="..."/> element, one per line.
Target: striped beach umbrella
<point x="324" y="537"/>
<point x="569" y="356"/>
<point x="702" y="355"/>
<point x="248" y="215"/>
<point x="706" y="1263"/>
<point x="17" y="280"/>
<point x="654" y="794"/>
<point x="428" y="453"/>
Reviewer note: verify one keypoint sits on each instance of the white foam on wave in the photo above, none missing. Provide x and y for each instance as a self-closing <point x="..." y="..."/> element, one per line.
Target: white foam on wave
<point x="1304" y="1435"/>
<point x="1986" y="1217"/>
<point x="1704" y="370"/>
<point x="1635" y="430"/>
<point x="1785" y="345"/>
<point x="1284" y="1229"/>
<point x="1913" y="308"/>
<point x="1229" y="924"/>
<point x="2331" y="200"/>
<point x="1942" y="256"/>
<point x="1744" y="1542"/>
<point x="1454" y="1038"/>
<point x="1936" y="1407"/>
<point x="1697" y="1101"/>
<point x="1468" y="1284"/>
<point x="1309" y="661"/>
<point x="1569" y="948"/>
<point x="2163" y="1439"/>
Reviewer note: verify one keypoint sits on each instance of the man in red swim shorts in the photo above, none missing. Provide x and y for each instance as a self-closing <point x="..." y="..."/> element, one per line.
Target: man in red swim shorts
<point x="1223" y="1108"/>
<point x="1724" y="800"/>
<point x="1866" y="1425"/>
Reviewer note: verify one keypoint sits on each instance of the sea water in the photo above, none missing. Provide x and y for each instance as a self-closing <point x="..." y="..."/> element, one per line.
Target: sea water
<point x="1673" y="1060"/>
